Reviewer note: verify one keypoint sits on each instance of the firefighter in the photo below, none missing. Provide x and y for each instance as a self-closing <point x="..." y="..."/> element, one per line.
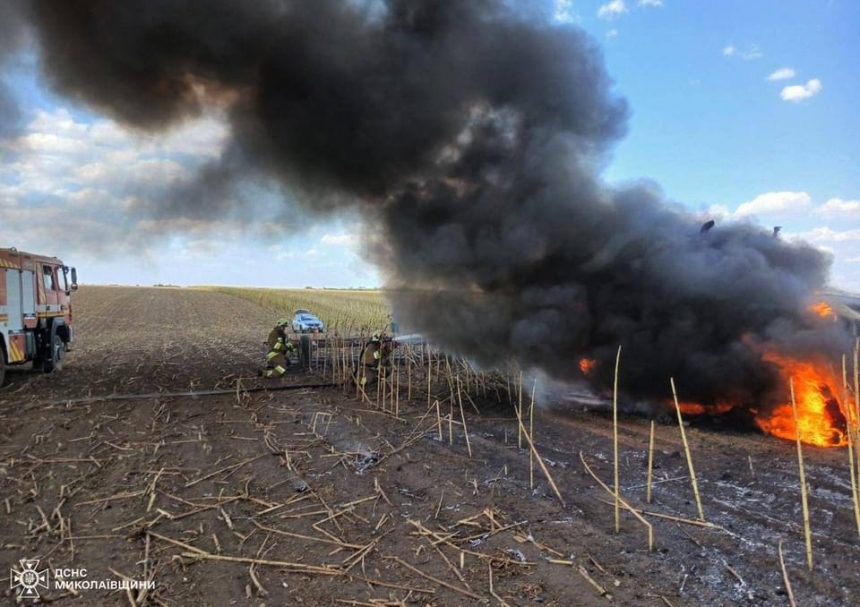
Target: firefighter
<point x="280" y="349"/>
<point x="373" y="359"/>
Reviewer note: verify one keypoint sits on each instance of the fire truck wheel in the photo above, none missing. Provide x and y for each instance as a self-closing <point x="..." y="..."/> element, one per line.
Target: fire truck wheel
<point x="58" y="352"/>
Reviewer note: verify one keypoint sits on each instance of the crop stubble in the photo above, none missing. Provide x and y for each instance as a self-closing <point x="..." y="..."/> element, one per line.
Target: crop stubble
<point x="311" y="498"/>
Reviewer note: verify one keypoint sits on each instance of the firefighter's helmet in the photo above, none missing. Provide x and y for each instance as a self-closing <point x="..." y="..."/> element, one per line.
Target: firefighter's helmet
<point x="377" y="335"/>
<point x="283" y="322"/>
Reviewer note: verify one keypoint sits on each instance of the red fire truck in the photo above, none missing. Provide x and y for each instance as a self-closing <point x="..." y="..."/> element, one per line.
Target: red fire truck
<point x="35" y="310"/>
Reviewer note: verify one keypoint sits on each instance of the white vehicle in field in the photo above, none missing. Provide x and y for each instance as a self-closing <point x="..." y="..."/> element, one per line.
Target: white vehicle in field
<point x="305" y="322"/>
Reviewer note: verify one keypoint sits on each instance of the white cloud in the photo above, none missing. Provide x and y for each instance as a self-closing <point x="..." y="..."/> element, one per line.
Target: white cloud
<point x="853" y="260"/>
<point x="836" y="206"/>
<point x="81" y="173"/>
<point x="8" y="197"/>
<point x="92" y="187"/>
<point x="205" y="136"/>
<point x="612" y="34"/>
<point x="774" y="201"/>
<point x="752" y="52"/>
<point x="564" y="12"/>
<point x="59" y="154"/>
<point x="783" y="73"/>
<point x="91" y="171"/>
<point x="339" y="239"/>
<point x="718" y="210"/>
<point x="650" y="3"/>
<point x="51" y="143"/>
<point x="799" y="92"/>
<point x="157" y="171"/>
<point x="826" y="234"/>
<point x="612" y="10"/>
<point x="57" y="121"/>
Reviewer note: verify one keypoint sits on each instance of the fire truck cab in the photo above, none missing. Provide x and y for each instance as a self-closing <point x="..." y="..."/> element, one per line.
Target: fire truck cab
<point x="35" y="310"/>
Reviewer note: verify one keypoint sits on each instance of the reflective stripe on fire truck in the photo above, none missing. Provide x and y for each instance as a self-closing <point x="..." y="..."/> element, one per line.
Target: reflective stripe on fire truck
<point x="15" y="353"/>
<point x="41" y="286"/>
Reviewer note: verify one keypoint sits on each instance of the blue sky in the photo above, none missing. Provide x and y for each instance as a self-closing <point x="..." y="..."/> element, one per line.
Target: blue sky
<point x="740" y="111"/>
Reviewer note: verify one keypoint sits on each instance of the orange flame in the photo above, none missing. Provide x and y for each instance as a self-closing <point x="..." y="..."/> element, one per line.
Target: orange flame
<point x="822" y="309"/>
<point x="690" y="408"/>
<point x="820" y="416"/>
<point x="587" y="365"/>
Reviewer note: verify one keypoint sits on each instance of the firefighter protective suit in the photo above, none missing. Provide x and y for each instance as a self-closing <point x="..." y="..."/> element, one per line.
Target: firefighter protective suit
<point x="374" y="358"/>
<point x="280" y="349"/>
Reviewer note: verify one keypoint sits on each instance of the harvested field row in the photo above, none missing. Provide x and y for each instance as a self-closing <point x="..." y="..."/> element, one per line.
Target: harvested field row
<point x="343" y="310"/>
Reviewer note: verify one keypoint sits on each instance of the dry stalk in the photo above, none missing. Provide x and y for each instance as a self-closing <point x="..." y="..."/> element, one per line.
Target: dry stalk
<point x="687" y="451"/>
<point x="600" y="589"/>
<point x="857" y="408"/>
<point x="197" y="553"/>
<point x="737" y="575"/>
<point x="448" y="540"/>
<point x="531" y="434"/>
<point x="462" y="591"/>
<point x="492" y="590"/>
<point x="232" y="467"/>
<point x="390" y="585"/>
<point x="540" y="460"/>
<point x="627" y="506"/>
<point x="520" y="411"/>
<point x="785" y="577"/>
<point x="522" y="539"/>
<point x="439" y="422"/>
<point x="307" y="537"/>
<point x="409" y="361"/>
<point x="650" y="465"/>
<point x="118" y="496"/>
<point x="669" y="517"/>
<point x="397" y="391"/>
<point x="615" y="443"/>
<point x="852" y="421"/>
<point x="429" y="376"/>
<point x="807" y="531"/>
<point x="448" y="561"/>
<point x="463" y="417"/>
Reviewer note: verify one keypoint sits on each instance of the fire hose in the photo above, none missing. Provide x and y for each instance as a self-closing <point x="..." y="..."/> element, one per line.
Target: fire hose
<point x="191" y="394"/>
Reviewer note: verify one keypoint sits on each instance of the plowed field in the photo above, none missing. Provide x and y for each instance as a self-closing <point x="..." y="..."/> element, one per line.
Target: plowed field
<point x="311" y="497"/>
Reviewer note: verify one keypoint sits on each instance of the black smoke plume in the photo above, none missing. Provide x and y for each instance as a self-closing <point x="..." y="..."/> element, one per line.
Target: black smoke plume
<point x="472" y="138"/>
<point x="13" y="35"/>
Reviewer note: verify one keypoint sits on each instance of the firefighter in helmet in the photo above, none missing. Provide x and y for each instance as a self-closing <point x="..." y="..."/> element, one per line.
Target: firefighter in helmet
<point x="280" y="349"/>
<point x="373" y="359"/>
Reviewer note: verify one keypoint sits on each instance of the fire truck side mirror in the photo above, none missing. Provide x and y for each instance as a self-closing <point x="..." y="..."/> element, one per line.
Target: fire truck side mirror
<point x="74" y="279"/>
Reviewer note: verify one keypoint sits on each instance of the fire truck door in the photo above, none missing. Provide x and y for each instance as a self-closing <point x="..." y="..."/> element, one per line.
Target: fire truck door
<point x="50" y="291"/>
<point x="28" y="293"/>
<point x="14" y="303"/>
